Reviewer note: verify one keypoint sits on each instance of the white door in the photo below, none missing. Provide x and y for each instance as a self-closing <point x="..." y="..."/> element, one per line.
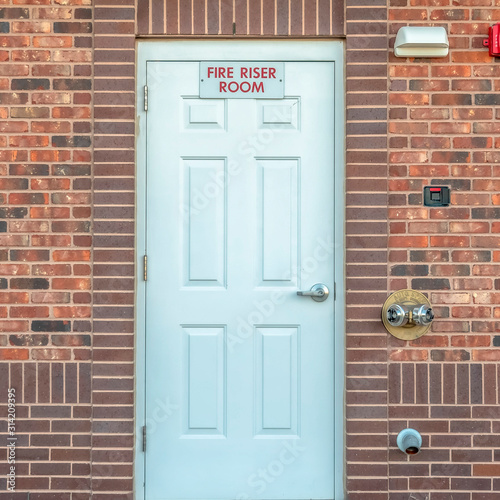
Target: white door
<point x="240" y="216"/>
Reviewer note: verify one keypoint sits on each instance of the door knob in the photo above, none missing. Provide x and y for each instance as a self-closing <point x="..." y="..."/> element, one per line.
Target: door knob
<point x="318" y="292"/>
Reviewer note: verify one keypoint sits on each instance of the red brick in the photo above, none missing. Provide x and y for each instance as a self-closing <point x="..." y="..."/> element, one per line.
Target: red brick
<point x="485" y="241"/>
<point x="71" y="112"/>
<point x="470" y="171"/>
<point x="29" y="141"/>
<point x="29" y="255"/>
<point x="471" y="341"/>
<point x="473" y="284"/>
<point x="28" y="198"/>
<point x="31" y="27"/>
<point x="408" y="241"/>
<point x="50" y="212"/>
<point x="52" y="13"/>
<point x="487" y="298"/>
<point x="409" y="99"/>
<point x="30" y="55"/>
<point x="486" y="355"/>
<point x="14" y="269"/>
<point x="51" y="270"/>
<point x="470" y="56"/>
<point x="51" y="354"/>
<point x="49" y="156"/>
<point x="14" y="41"/>
<point x="428" y="227"/>
<point x="408" y="14"/>
<point x="469" y="199"/>
<point x="71" y="284"/>
<point x="14" y="240"/>
<point x="14" y="354"/>
<point x="408" y="128"/>
<point x="408" y="355"/>
<point x="450" y="128"/>
<point x="52" y="41"/>
<point x="469" y="227"/>
<point x="450" y="298"/>
<point x="449" y="241"/>
<point x="50" y="240"/>
<point x="485" y="270"/>
<point x="50" y="184"/>
<point x="472" y="114"/>
<point x="50" y="127"/>
<point x="71" y="255"/>
<point x="488" y="470"/>
<point x="471" y="312"/>
<point x="29" y="312"/>
<point x="408" y="213"/>
<point x="72" y="312"/>
<point x="49" y="297"/>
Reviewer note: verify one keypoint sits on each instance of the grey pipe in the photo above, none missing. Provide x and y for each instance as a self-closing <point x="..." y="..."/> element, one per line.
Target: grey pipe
<point x="409" y="441"/>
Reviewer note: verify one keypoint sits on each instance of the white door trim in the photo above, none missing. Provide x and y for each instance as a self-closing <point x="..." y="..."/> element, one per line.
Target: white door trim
<point x="270" y="50"/>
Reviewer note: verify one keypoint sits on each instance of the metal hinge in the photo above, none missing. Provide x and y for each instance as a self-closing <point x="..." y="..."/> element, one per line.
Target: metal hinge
<point x="145" y="97"/>
<point x="144" y="438"/>
<point x="145" y="268"/>
<point x="335" y="291"/>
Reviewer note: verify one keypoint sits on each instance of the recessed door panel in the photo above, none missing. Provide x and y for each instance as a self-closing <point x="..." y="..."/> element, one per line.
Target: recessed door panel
<point x="277" y="379"/>
<point x="204" y="384"/>
<point x="278" y="203"/>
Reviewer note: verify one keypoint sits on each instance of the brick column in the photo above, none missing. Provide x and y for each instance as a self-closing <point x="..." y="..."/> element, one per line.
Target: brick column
<point x="113" y="284"/>
<point x="366" y="252"/>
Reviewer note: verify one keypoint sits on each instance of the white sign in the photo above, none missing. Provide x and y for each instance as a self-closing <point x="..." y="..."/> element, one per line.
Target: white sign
<point x="240" y="80"/>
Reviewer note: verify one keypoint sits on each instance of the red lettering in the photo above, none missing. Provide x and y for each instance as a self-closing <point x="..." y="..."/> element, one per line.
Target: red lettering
<point x="264" y="72"/>
<point x="258" y="87"/>
<point x="245" y="87"/>
<point x="220" y="72"/>
<point x="272" y="72"/>
<point x="244" y="72"/>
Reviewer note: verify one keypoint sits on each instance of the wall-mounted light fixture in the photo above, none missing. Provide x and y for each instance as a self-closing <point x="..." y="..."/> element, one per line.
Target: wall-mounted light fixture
<point x="421" y="41"/>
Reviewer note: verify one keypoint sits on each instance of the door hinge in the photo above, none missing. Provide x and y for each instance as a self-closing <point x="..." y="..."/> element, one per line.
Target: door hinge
<point x="145" y="97"/>
<point x="335" y="291"/>
<point x="144" y="438"/>
<point x="145" y="268"/>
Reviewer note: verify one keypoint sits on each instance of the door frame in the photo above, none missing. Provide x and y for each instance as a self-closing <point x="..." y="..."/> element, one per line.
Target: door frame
<point x="270" y="50"/>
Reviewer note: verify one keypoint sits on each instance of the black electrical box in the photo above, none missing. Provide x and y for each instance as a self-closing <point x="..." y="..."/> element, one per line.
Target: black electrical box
<point x="436" y="196"/>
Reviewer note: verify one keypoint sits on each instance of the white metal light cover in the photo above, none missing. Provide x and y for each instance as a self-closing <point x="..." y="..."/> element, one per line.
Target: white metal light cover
<point x="421" y="41"/>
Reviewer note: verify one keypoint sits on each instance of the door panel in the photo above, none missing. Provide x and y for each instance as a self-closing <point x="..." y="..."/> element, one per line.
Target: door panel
<point x="240" y="211"/>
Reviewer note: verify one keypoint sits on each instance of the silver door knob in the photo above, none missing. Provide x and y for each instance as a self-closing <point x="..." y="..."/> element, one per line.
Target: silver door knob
<point x="318" y="292"/>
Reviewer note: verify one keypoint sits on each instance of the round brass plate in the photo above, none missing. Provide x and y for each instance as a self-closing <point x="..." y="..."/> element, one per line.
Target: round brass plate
<point x="405" y="297"/>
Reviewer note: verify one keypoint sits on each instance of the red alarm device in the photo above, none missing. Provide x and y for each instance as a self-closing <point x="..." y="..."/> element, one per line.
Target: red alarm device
<point x="493" y="40"/>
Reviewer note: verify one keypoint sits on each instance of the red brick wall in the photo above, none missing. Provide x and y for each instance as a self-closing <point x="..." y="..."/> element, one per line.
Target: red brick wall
<point x="443" y="131"/>
<point x="67" y="98"/>
<point x="45" y="240"/>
